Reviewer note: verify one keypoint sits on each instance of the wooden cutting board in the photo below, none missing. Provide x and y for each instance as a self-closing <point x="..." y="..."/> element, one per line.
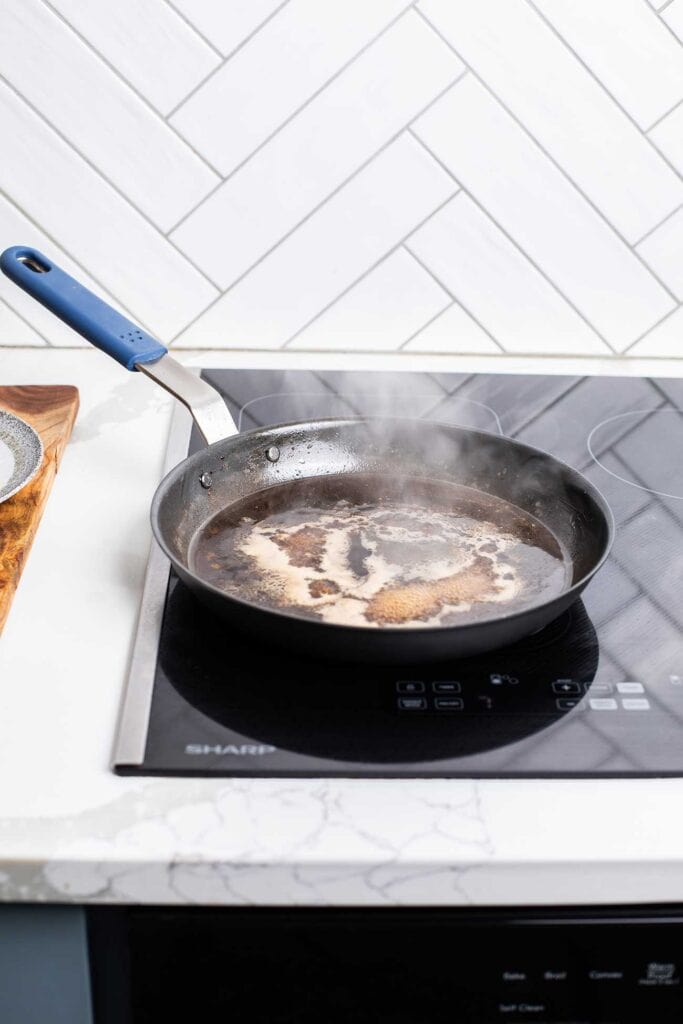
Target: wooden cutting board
<point x="51" y="410"/>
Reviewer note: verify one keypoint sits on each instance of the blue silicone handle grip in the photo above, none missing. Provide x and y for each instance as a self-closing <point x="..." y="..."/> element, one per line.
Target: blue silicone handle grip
<point x="92" y="318"/>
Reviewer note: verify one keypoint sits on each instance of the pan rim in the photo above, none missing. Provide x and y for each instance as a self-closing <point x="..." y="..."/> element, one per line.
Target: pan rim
<point x="422" y="631"/>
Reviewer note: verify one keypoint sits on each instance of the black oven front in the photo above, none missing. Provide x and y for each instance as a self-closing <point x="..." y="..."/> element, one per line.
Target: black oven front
<point x="296" y="965"/>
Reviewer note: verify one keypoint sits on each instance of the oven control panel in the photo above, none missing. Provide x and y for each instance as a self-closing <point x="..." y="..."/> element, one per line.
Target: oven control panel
<point x="602" y="989"/>
<point x="430" y="965"/>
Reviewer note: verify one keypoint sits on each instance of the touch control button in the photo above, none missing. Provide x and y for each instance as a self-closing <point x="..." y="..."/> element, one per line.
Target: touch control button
<point x="635" y="704"/>
<point x="566" y="686"/>
<point x="410" y="686"/>
<point x="600" y="687"/>
<point x="603" y="703"/>
<point x="630" y="688"/>
<point x="446" y="686"/>
<point x="412" y="703"/>
<point x="530" y="1010"/>
<point x="449" y="703"/>
<point x="567" y="703"/>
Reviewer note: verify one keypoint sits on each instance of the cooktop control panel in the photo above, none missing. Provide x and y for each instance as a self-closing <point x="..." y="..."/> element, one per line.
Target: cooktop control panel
<point x="447" y="696"/>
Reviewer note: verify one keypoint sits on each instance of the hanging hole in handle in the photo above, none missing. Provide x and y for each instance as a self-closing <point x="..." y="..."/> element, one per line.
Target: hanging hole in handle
<point x="33" y="264"/>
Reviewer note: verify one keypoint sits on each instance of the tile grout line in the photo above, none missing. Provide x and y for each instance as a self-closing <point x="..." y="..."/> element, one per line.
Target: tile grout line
<point x="37" y="348"/>
<point x="105" y="178"/>
<point x="291" y="116"/>
<point x="555" y="163"/>
<point x="433" y="100"/>
<point x="664" y="6"/>
<point x="649" y="331"/>
<point x="358" y="170"/>
<point x="128" y="85"/>
<point x="456" y="300"/>
<point x="224" y="58"/>
<point x="601" y="85"/>
<point x="655" y="124"/>
<point x="86" y="270"/>
<point x="295" y="113"/>
<point x="657" y="226"/>
<point x="522" y="252"/>
<point x="367" y="271"/>
<point x="427" y="269"/>
<point x="665" y="24"/>
<point x="425" y="325"/>
<point x="28" y="324"/>
<point x="218" y="297"/>
<point x="216" y="188"/>
<point x="193" y="28"/>
<point x="384" y="145"/>
<point x="314" y="210"/>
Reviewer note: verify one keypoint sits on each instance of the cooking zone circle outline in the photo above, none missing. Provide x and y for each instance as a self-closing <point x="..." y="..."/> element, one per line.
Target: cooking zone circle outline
<point x="347" y="395"/>
<point x="623" y="479"/>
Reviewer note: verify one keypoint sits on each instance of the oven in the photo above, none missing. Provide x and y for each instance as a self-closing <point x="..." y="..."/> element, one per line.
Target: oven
<point x="306" y="965"/>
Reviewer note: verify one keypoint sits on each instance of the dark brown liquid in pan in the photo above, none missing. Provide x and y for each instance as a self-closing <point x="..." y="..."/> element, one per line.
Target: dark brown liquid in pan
<point x="374" y="551"/>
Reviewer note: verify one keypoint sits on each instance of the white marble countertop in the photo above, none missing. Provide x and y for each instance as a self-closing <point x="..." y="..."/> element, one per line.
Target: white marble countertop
<point x="70" y="830"/>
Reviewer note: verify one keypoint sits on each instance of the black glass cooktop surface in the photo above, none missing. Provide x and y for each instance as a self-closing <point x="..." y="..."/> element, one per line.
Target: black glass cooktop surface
<point x="598" y="692"/>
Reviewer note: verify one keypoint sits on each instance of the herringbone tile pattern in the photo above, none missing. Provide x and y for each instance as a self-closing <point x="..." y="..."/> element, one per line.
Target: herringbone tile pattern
<point x="481" y="176"/>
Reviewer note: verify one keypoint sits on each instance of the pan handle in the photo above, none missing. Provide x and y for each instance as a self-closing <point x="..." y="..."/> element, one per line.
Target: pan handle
<point x="117" y="336"/>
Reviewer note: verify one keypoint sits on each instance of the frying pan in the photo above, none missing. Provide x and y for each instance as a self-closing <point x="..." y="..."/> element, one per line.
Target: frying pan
<point x="236" y="466"/>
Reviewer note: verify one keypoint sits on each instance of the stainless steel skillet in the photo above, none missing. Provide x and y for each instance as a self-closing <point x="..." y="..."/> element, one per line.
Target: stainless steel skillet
<point x="331" y="454"/>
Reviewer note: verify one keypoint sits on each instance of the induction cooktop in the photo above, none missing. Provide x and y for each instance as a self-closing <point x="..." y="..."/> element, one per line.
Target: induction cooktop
<point x="598" y="692"/>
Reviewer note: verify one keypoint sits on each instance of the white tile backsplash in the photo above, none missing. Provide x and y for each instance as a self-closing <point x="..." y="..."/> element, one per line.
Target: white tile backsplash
<point x="370" y="215"/>
<point x="266" y="82"/>
<point x="569" y="114"/>
<point x="454" y="330"/>
<point x="482" y="176"/>
<point x="12" y="326"/>
<point x="543" y="213"/>
<point x="497" y="285"/>
<point x="663" y="251"/>
<point x="118" y="134"/>
<point x="672" y="16"/>
<point x="392" y="301"/>
<point x="339" y="131"/>
<point x="226" y="23"/>
<point x="640" y="63"/>
<point x="163" y="59"/>
<point x="663" y="341"/>
<point x="667" y="136"/>
<point x="68" y="198"/>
